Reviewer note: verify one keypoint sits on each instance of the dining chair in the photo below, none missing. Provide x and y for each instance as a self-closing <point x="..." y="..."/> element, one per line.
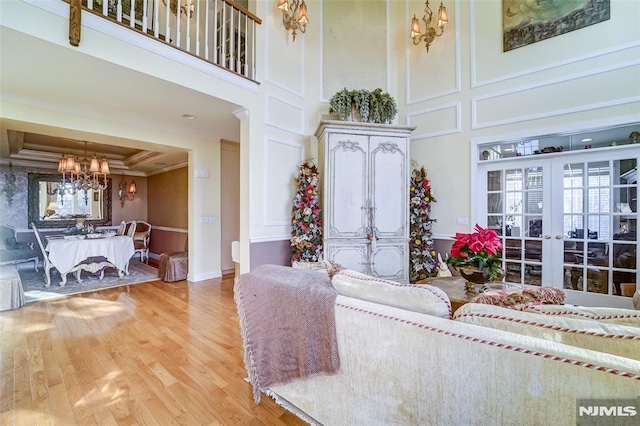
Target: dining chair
<point x="141" y="238"/>
<point x="129" y="228"/>
<point x="121" y="228"/>
<point x="47" y="263"/>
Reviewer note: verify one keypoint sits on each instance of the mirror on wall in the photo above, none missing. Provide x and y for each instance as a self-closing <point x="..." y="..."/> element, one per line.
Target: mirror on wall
<point x="52" y="209"/>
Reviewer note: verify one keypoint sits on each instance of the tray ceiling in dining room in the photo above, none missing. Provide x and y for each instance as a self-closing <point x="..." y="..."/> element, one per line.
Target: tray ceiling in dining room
<point x="35" y="150"/>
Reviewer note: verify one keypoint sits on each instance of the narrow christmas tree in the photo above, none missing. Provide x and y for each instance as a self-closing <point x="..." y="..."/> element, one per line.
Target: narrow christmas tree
<point x="421" y="254"/>
<point x="306" y="240"/>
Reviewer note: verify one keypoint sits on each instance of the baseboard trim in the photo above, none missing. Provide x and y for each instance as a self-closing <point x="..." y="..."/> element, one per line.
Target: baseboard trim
<point x="204" y="276"/>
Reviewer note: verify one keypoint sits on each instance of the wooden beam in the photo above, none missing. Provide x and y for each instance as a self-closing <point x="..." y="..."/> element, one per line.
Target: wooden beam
<point x="75" y="21"/>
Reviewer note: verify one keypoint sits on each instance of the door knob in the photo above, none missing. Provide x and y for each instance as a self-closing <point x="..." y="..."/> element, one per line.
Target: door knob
<point x="559" y="237"/>
<point x="546" y="237"/>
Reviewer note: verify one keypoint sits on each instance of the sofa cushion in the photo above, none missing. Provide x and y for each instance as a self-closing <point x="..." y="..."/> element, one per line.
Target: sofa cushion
<point x="626" y="317"/>
<point x="609" y="338"/>
<point x="422" y="298"/>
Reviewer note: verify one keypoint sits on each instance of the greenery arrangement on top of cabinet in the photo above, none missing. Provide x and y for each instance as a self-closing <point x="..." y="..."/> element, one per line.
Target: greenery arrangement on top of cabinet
<point x="363" y="105"/>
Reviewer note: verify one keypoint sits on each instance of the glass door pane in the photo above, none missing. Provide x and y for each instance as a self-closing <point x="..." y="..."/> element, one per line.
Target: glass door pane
<point x="514" y="209"/>
<point x="600" y="226"/>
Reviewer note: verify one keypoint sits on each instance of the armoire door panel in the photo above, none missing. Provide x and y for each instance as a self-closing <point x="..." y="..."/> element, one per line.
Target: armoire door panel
<point x="388" y="260"/>
<point x="389" y="176"/>
<point x="349" y="255"/>
<point x="347" y="200"/>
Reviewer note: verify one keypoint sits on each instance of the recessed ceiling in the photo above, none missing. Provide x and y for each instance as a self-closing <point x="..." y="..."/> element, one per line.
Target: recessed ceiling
<point x="43" y="151"/>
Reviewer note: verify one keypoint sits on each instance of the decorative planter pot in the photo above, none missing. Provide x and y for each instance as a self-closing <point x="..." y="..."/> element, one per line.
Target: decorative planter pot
<point x="476" y="281"/>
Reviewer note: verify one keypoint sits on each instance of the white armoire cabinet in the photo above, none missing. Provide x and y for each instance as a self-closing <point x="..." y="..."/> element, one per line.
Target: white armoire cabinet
<point x="364" y="190"/>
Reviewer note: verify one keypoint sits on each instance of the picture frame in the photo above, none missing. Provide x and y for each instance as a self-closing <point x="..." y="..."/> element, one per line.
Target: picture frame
<point x="96" y="196"/>
<point x="526" y="21"/>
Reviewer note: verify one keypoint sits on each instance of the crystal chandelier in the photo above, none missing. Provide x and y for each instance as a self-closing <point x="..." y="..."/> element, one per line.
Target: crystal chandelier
<point x="80" y="175"/>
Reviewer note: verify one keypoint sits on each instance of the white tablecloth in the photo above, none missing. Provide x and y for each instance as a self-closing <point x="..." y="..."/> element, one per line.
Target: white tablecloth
<point x="65" y="254"/>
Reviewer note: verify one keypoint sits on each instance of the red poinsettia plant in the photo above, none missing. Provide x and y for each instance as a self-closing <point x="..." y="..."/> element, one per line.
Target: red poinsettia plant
<point x="481" y="249"/>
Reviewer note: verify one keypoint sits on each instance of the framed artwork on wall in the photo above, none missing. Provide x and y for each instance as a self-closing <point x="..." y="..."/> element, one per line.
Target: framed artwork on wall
<point x="529" y="21"/>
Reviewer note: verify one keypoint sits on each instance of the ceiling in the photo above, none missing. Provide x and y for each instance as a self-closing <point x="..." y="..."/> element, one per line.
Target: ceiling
<point x="43" y="151"/>
<point x="156" y="112"/>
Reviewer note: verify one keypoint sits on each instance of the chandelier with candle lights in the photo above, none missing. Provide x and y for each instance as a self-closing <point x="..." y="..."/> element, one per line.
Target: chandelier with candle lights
<point x="80" y="175"/>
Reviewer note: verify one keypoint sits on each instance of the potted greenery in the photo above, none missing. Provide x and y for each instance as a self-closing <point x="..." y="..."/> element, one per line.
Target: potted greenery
<point x="388" y="109"/>
<point x="363" y="105"/>
<point x="383" y="108"/>
<point x="340" y="104"/>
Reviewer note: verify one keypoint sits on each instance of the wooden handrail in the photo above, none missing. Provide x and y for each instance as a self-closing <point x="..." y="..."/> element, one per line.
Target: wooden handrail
<point x="241" y="9"/>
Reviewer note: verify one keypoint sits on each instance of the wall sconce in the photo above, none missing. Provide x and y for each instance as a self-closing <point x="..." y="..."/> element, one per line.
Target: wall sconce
<point x="289" y="9"/>
<point x="431" y="32"/>
<point x="10" y="188"/>
<point x="126" y="192"/>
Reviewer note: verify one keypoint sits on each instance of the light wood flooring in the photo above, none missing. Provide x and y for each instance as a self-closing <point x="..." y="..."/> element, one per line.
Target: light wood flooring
<point x="150" y="354"/>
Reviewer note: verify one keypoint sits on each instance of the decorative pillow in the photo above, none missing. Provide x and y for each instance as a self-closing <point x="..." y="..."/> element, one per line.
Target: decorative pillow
<point x="603" y="337"/>
<point x="518" y="299"/>
<point x="626" y="317"/>
<point x="422" y="298"/>
<point x="328" y="266"/>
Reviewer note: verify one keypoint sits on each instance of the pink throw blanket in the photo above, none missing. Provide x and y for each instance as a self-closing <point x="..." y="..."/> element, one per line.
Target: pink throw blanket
<point x="287" y="320"/>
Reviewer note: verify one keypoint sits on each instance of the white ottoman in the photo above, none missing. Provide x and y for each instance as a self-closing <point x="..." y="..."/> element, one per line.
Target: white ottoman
<point x="11" y="293"/>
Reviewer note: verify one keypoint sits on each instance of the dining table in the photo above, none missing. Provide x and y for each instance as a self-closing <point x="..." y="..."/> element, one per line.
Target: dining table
<point x="74" y="255"/>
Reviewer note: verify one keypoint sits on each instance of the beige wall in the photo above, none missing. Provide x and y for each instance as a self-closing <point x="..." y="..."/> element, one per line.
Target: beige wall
<point x="168" y="198"/>
<point x="135" y="209"/>
<point x="230" y="194"/>
<point x="342" y="38"/>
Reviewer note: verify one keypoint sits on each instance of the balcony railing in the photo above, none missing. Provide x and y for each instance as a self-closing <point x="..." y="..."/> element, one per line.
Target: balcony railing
<point x="220" y="32"/>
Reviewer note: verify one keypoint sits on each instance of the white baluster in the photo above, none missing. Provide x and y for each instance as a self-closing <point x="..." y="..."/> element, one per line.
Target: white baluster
<point x="132" y="14"/>
<point x="156" y="19"/>
<point x="144" y="17"/>
<point x="167" y="31"/>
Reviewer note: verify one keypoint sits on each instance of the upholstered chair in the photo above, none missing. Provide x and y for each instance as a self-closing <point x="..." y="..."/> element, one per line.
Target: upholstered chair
<point x="12" y="252"/>
<point x="141" y="239"/>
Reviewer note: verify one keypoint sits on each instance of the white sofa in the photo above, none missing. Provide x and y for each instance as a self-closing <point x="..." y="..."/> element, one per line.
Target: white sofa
<point x="402" y="367"/>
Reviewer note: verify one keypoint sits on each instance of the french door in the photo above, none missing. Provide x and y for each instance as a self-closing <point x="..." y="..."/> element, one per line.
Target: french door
<point x="567" y="220"/>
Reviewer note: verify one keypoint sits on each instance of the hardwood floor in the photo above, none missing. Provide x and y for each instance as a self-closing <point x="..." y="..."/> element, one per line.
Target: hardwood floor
<point x="153" y="353"/>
